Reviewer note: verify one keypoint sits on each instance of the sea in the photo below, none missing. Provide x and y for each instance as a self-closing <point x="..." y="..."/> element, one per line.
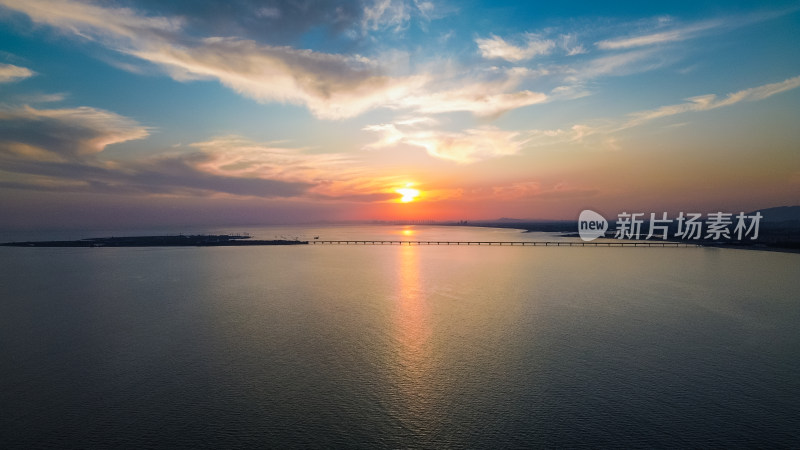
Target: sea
<point x="398" y="346"/>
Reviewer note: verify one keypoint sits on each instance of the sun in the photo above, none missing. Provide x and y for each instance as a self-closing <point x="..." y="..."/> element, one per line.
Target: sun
<point x="408" y="194"/>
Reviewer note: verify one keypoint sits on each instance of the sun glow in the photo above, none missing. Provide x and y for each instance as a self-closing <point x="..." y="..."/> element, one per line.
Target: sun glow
<point x="409" y="195"/>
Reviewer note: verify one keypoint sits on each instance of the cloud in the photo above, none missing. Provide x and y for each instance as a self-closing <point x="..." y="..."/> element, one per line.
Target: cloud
<point x="661" y="37"/>
<point x="91" y="21"/>
<point x="473" y="99"/>
<point x="332" y="86"/>
<point x="619" y="64"/>
<point x="600" y="133"/>
<point x="496" y="47"/>
<point x="469" y="146"/>
<point x="570" y="92"/>
<point x="535" y="189"/>
<point x="575" y="134"/>
<point x="386" y="14"/>
<point x="10" y="73"/>
<point x="514" y="191"/>
<point x="43" y="98"/>
<point x="238" y="166"/>
<point x="276" y="21"/>
<point x="366" y="188"/>
<point x="58" y="150"/>
<point x="240" y="157"/>
<point x="58" y="134"/>
<point x="665" y="33"/>
<point x="166" y="175"/>
<point x="396" y="15"/>
<point x="636" y="52"/>
<point x="517" y="191"/>
<point x="176" y="175"/>
<point x="569" y="43"/>
<point x="710" y="101"/>
<point x="482" y="94"/>
<point x="187" y="174"/>
<point x="283" y="22"/>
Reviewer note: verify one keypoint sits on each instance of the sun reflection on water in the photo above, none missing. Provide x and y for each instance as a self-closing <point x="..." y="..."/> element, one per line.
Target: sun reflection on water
<point x="411" y="318"/>
<point x="414" y="367"/>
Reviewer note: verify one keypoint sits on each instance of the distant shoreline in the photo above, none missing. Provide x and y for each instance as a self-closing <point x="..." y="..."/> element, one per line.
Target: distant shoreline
<point x="237" y="240"/>
<point x="220" y="240"/>
<point x="775" y="237"/>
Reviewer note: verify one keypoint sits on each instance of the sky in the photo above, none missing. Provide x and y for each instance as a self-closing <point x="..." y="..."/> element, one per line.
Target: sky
<point x="197" y="112"/>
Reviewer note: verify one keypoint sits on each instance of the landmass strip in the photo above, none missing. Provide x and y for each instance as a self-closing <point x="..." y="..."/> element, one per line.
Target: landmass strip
<point x="219" y="240"/>
<point x="240" y="240"/>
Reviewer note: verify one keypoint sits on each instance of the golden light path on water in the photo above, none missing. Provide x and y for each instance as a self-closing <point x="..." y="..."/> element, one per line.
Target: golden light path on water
<point x="415" y="365"/>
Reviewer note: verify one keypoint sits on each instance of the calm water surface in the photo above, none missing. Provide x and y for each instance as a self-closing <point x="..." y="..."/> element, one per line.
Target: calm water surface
<point x="399" y="346"/>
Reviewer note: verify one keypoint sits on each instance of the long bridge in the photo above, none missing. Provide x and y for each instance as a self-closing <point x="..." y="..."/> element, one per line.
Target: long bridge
<point x="240" y="240"/>
<point x="509" y="243"/>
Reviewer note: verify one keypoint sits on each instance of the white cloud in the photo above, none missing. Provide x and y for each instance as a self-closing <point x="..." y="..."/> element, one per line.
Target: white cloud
<point x="389" y="135"/>
<point x="478" y="144"/>
<point x="332" y="86"/>
<point x="661" y="37"/>
<point x="44" y="98"/>
<point x="386" y="13"/>
<point x="395" y="14"/>
<point x="330" y="176"/>
<point x="10" y="73"/>
<point x="473" y="100"/>
<point x="663" y="34"/>
<point x="469" y="146"/>
<point x="619" y="64"/>
<point x="600" y="133"/>
<point x="496" y="47"/>
<point x="89" y="21"/>
<point x="424" y="7"/>
<point x="710" y="101"/>
<point x="484" y="94"/>
<point x="569" y="43"/>
<point x="570" y="92"/>
<point x="240" y="157"/>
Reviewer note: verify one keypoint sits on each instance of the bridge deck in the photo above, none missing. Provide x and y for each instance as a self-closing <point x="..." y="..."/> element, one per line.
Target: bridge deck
<point x="511" y="243"/>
